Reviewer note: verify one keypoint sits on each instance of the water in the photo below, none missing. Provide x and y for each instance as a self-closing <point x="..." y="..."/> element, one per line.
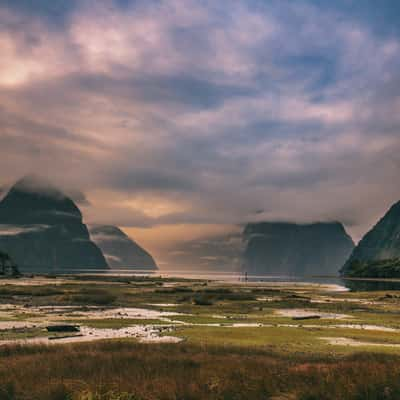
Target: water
<point x="342" y="284"/>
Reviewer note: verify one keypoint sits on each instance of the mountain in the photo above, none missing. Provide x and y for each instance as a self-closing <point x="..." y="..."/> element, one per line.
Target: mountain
<point x="378" y="253"/>
<point x="295" y="249"/>
<point x="119" y="249"/>
<point x="42" y="229"/>
<point x="217" y="252"/>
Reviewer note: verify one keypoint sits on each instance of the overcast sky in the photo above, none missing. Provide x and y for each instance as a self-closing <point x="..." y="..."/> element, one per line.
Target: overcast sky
<point x="185" y="117"/>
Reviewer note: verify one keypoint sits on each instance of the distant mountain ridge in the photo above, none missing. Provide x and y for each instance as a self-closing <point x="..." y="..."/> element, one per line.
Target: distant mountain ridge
<point x="42" y="229"/>
<point x="119" y="249"/>
<point x="378" y="253"/>
<point x="295" y="249"/>
<point x="219" y="252"/>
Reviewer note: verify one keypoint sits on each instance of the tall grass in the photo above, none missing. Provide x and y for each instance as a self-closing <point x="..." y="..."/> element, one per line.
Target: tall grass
<point x="125" y="370"/>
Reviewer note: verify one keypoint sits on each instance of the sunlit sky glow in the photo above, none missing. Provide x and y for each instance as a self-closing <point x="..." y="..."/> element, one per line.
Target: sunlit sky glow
<point x="187" y="118"/>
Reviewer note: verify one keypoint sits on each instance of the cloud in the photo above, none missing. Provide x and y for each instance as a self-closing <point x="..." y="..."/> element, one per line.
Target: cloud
<point x="187" y="112"/>
<point x="11" y="230"/>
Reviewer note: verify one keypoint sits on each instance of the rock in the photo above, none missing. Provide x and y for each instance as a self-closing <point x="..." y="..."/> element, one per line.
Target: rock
<point x="42" y="230"/>
<point x="119" y="249"/>
<point x="63" y="328"/>
<point x="295" y="249"/>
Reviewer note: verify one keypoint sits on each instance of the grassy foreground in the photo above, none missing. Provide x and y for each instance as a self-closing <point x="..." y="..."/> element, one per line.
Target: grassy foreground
<point x="128" y="370"/>
<point x="239" y="342"/>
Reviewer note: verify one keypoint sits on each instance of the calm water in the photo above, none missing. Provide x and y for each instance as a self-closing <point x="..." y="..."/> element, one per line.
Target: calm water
<point x="342" y="284"/>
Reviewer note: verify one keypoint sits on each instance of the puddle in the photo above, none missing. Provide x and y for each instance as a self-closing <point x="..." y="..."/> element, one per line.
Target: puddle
<point x="302" y="313"/>
<point x="368" y="327"/>
<point x="341" y="341"/>
<point x="128" y="313"/>
<point x="142" y="333"/>
<point x="268" y="299"/>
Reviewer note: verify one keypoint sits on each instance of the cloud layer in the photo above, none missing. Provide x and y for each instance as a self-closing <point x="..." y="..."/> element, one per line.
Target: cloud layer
<point x="191" y="112"/>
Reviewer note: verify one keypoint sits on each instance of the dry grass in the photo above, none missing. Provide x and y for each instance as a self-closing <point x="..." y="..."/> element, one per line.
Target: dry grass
<point x="125" y="370"/>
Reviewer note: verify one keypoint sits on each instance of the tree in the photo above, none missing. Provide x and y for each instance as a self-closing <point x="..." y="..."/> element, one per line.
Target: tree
<point x="4" y="259"/>
<point x="6" y="264"/>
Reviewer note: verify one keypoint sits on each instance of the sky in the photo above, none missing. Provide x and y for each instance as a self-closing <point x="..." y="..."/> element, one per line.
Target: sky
<point x="185" y="119"/>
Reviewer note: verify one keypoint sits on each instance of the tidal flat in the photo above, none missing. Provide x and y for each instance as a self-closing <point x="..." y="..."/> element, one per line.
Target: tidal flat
<point x="138" y="337"/>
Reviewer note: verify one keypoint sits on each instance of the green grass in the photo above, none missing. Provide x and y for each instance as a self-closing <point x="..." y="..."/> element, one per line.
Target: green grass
<point x="286" y="339"/>
<point x="213" y="362"/>
<point x="22" y="333"/>
<point x="8" y="291"/>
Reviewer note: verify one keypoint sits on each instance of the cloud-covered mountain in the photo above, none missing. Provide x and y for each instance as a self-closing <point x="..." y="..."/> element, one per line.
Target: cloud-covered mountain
<point x="294" y="249"/>
<point x="42" y="229"/>
<point x="177" y="104"/>
<point x="119" y="249"/>
<point x="218" y="252"/>
<point x="378" y="253"/>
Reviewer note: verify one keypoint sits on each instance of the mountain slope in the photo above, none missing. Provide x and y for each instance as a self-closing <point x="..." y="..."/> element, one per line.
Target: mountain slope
<point x="379" y="249"/>
<point x="215" y="253"/>
<point x="294" y="249"/>
<point x="42" y="229"/>
<point x="119" y="249"/>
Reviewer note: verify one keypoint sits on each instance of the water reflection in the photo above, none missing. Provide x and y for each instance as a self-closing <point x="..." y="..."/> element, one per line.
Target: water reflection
<point x="345" y="284"/>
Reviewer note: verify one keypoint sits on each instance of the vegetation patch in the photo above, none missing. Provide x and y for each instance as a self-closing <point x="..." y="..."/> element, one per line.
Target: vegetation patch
<point x="389" y="268"/>
<point x="92" y="296"/>
<point x="127" y="370"/>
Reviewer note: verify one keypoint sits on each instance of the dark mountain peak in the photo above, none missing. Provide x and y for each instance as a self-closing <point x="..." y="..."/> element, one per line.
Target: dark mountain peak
<point x="119" y="249"/>
<point x="42" y="229"/>
<point x="33" y="183"/>
<point x="293" y="248"/>
<point x="266" y="227"/>
<point x="34" y="200"/>
<point x="381" y="243"/>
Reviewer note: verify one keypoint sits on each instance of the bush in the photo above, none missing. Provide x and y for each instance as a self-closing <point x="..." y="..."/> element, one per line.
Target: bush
<point x="202" y="301"/>
<point x="98" y="297"/>
<point x="60" y="392"/>
<point x="7" y="391"/>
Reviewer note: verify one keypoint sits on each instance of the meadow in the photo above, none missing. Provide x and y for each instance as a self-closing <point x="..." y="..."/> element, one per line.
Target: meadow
<point x="150" y="338"/>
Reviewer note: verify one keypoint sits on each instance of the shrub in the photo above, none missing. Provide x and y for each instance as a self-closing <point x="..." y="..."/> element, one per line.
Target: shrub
<point x="93" y="296"/>
<point x="202" y="301"/>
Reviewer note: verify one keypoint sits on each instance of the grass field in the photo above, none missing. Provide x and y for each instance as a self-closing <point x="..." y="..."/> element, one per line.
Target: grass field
<point x="238" y="341"/>
<point x="126" y="370"/>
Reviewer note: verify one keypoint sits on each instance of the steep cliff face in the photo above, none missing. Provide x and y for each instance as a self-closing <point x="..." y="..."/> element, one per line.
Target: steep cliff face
<point x="42" y="229"/>
<point x="378" y="249"/>
<point x="119" y="249"/>
<point x="293" y="249"/>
